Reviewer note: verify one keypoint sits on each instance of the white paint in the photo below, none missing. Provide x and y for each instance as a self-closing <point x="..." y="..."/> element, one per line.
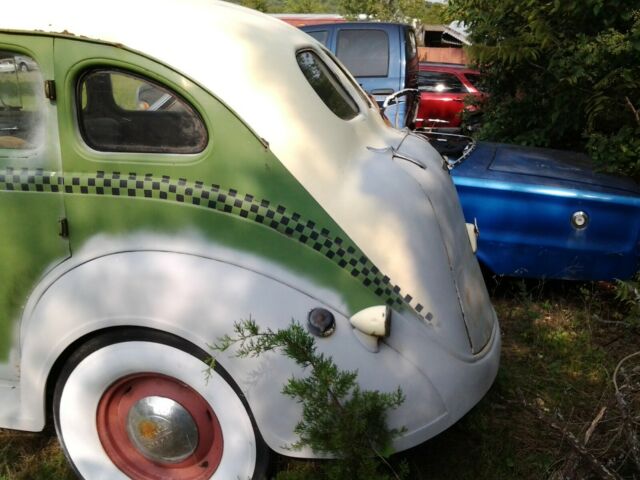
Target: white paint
<point x="143" y="289"/>
<point x="248" y="61"/>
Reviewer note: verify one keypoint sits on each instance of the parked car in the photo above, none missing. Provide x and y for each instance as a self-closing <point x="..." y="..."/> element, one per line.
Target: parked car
<point x="383" y="57"/>
<point x="13" y="63"/>
<point x="444" y="89"/>
<point x="147" y="204"/>
<point x="545" y="213"/>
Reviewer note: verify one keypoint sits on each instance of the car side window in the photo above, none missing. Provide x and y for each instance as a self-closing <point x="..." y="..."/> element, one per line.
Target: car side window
<point x="22" y="105"/>
<point x="365" y="53"/>
<point x="122" y="112"/>
<point x="440" y="82"/>
<point x="326" y="85"/>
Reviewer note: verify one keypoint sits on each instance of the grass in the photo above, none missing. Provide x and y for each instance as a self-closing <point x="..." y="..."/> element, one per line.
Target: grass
<point x="561" y="344"/>
<point x="558" y="356"/>
<point x="31" y="456"/>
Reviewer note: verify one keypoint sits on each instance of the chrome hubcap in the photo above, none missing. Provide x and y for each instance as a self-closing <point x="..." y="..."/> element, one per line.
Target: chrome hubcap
<point x="162" y="429"/>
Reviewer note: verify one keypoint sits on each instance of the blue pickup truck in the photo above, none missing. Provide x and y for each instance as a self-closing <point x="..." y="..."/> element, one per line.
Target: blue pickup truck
<point x="383" y="57"/>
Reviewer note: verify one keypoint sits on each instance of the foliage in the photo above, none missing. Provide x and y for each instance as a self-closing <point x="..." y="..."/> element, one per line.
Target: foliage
<point x="291" y="6"/>
<point x="628" y="293"/>
<point x="259" y="5"/>
<point x="306" y="6"/>
<point x="386" y="10"/>
<point x="394" y="10"/>
<point x="338" y="418"/>
<point x="561" y="73"/>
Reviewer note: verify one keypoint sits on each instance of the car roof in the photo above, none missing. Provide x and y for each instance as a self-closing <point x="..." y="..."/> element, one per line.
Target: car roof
<point x="186" y="35"/>
<point x="243" y="57"/>
<point x="446" y="67"/>
<point x="379" y="25"/>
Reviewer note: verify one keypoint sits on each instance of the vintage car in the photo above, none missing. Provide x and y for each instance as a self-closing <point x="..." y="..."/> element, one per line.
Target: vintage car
<point x="148" y="204"/>
<point x="545" y="213"/>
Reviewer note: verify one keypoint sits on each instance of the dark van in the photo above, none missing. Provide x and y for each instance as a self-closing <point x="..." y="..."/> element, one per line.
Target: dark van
<point x="382" y="56"/>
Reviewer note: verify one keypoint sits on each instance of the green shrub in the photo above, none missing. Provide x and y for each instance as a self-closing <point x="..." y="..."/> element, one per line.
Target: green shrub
<point x="339" y="420"/>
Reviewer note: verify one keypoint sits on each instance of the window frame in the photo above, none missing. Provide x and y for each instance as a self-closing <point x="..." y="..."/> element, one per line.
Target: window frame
<point x="110" y="68"/>
<point x="334" y="77"/>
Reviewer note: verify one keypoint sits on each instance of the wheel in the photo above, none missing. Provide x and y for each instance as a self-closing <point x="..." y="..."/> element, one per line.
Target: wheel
<point x="144" y="409"/>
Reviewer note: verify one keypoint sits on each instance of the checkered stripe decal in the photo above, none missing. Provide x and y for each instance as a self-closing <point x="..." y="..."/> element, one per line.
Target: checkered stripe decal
<point x="228" y="201"/>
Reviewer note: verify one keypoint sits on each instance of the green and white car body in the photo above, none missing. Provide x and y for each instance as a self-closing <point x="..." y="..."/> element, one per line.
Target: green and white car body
<point x="282" y="206"/>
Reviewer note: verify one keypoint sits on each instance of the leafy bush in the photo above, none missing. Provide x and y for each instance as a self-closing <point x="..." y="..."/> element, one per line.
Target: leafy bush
<point x="561" y="73"/>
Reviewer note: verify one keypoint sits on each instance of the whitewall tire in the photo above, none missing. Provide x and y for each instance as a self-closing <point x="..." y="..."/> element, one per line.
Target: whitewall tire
<point x="146" y="410"/>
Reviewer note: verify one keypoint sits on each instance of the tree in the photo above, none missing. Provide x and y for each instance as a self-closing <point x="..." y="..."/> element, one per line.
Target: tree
<point x="394" y="10"/>
<point x="560" y="73"/>
<point x="305" y="6"/>
<point x="260" y="5"/>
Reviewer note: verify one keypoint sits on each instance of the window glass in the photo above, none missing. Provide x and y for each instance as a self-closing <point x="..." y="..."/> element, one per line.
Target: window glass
<point x="365" y="53"/>
<point x="326" y="85"/>
<point x="440" y="82"/>
<point x="22" y="104"/>
<point x="122" y="112"/>
<point x="320" y="36"/>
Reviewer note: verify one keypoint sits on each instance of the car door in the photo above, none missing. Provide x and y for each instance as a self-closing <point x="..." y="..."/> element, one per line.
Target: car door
<point x="31" y="202"/>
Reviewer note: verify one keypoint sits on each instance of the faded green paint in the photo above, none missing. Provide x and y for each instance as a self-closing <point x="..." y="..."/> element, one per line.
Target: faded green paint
<point x="291" y="225"/>
<point x="234" y="159"/>
<point x="30" y="241"/>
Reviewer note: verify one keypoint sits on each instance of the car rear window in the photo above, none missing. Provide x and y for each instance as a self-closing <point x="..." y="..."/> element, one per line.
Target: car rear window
<point x="321" y="36"/>
<point x="326" y="85"/>
<point x="123" y="112"/>
<point x="440" y="82"/>
<point x="365" y="53"/>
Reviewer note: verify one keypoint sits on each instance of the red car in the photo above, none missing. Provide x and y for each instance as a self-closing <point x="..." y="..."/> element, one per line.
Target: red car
<point x="443" y="88"/>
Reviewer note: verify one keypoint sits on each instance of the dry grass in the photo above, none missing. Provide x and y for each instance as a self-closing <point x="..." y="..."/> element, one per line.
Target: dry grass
<point x="552" y="412"/>
<point x="31" y="456"/>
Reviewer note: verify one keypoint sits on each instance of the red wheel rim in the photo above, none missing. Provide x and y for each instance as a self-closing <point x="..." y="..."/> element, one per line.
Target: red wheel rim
<point x="112" y="417"/>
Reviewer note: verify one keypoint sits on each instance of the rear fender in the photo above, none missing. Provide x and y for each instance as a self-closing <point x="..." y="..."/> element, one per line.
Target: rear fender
<point x="199" y="300"/>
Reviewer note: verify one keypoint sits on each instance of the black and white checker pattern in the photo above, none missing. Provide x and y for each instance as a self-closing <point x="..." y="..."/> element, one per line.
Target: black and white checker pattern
<point x="228" y="201"/>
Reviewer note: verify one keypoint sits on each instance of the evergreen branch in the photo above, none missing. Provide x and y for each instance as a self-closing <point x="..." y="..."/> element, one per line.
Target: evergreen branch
<point x="337" y="417"/>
